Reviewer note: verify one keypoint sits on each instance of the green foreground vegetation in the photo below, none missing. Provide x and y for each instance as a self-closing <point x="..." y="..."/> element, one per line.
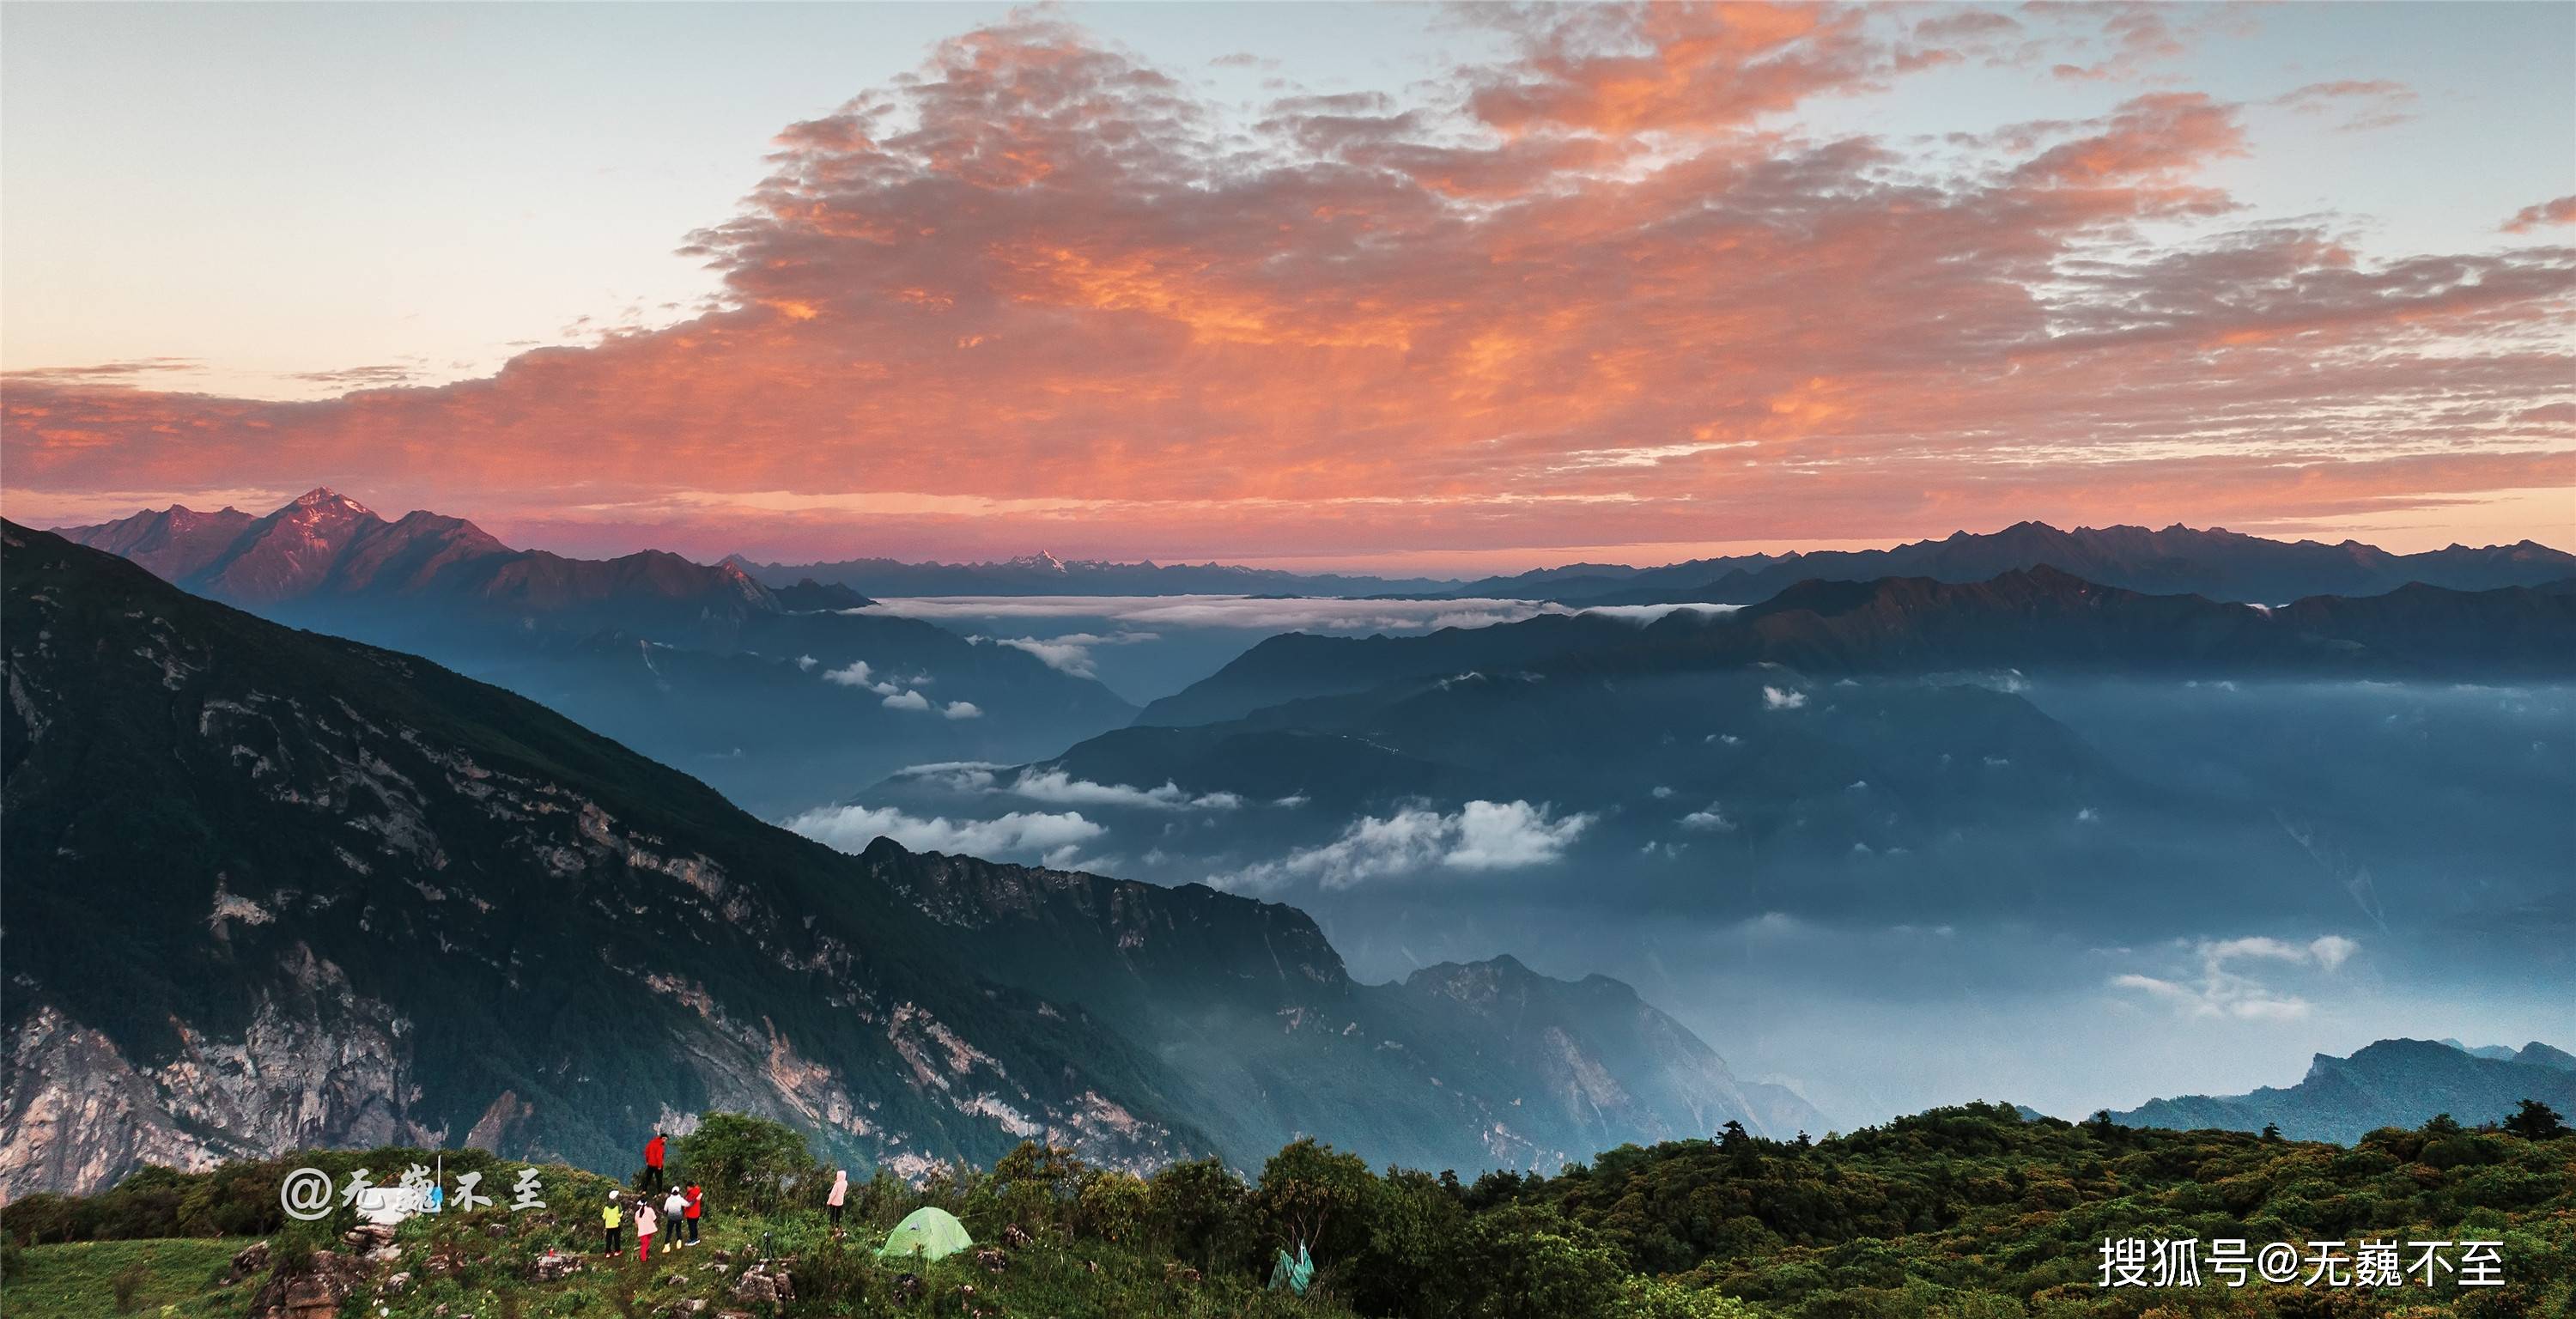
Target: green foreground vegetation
<point x="1958" y="1213"/>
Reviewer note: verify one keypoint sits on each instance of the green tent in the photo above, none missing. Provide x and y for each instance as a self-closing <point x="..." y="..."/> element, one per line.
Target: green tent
<point x="929" y="1233"/>
<point x="1292" y="1274"/>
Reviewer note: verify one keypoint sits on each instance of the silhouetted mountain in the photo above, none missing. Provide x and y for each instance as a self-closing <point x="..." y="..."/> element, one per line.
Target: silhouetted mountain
<point x="2032" y="620"/>
<point x="1045" y="574"/>
<point x="806" y="594"/>
<point x="173" y="543"/>
<point x="359" y="899"/>
<point x="328" y="558"/>
<point x="697" y="665"/>
<point x="2176" y="560"/>
<point x="2393" y="1083"/>
<point x="1296" y="665"/>
<point x="1266" y="1032"/>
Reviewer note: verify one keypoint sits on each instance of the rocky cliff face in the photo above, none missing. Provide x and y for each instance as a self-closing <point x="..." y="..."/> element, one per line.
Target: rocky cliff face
<point x="1476" y="1065"/>
<point x="315" y="1066"/>
<point x="270" y="889"/>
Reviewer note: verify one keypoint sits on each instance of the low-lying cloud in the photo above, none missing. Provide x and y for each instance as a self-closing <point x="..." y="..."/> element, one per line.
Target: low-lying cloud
<point x="1020" y="834"/>
<point x="1057" y="786"/>
<point x="1481" y="836"/>
<point x="2223" y="989"/>
<point x="1071" y="653"/>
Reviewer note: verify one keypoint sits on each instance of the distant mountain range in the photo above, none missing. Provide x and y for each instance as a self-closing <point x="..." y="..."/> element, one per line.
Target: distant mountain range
<point x="2032" y="620"/>
<point x="1045" y="574"/>
<point x="2393" y="1083"/>
<point x="271" y="889"/>
<point x="2178" y="560"/>
<point x="779" y="696"/>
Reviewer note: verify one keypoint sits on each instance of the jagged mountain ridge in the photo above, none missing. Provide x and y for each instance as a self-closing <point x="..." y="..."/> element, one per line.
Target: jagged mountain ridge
<point x="2039" y="619"/>
<point x="1269" y="1032"/>
<point x="323" y="545"/>
<point x="363" y="899"/>
<point x="697" y="666"/>
<point x="1045" y="574"/>
<point x="2392" y="1083"/>
<point x="2175" y="560"/>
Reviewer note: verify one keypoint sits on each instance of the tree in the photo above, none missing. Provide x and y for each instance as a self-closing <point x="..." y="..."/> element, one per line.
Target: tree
<point x="2534" y="1120"/>
<point x="1033" y="1181"/>
<point x="2272" y="1133"/>
<point x="1664" y="1298"/>
<point x="1409" y="1264"/>
<point x="1112" y="1204"/>
<point x="1526" y="1261"/>
<point x="1312" y="1194"/>
<point x="1198" y="1209"/>
<point x="746" y="1161"/>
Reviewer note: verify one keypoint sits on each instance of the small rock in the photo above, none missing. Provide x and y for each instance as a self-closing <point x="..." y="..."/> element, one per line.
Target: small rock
<point x="991" y="1259"/>
<point x="397" y="1284"/>
<point x="250" y="1259"/>
<point x="313" y="1292"/>
<point x="554" y="1268"/>
<point x="675" y="1280"/>
<point x="764" y="1283"/>
<point x="677" y="1309"/>
<point x="908" y="1286"/>
<point x="1014" y="1236"/>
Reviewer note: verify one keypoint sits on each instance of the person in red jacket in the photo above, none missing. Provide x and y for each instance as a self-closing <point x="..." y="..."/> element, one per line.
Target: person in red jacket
<point x="697" y="1202"/>
<point x="653" y="1164"/>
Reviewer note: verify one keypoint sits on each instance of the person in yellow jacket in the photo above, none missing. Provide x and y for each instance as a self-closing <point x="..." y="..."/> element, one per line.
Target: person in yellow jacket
<point x="611" y="1220"/>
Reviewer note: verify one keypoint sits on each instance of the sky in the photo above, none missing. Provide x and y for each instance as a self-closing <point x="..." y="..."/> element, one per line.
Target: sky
<point x="1398" y="287"/>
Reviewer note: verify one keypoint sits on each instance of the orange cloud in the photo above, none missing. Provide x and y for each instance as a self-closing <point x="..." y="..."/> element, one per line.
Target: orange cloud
<point x="2556" y="210"/>
<point x="1041" y="294"/>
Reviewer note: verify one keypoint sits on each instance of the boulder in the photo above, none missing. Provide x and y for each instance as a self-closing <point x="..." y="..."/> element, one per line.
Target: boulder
<point x="314" y="1291"/>
<point x="764" y="1283"/>
<point x="551" y="1267"/>
<point x="250" y="1259"/>
<point x="374" y="1242"/>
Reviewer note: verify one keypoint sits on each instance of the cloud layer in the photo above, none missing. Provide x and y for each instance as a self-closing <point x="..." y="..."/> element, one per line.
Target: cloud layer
<point x="1480" y="836"/>
<point x="1599" y="289"/>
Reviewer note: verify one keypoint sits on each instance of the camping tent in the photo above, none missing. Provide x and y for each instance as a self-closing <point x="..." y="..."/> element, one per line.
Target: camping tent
<point x="929" y="1233"/>
<point x="1293" y="1274"/>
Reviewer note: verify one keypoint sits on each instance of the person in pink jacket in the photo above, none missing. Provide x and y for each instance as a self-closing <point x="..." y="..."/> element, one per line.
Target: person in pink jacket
<point x="646" y="1221"/>
<point x="840" y="1195"/>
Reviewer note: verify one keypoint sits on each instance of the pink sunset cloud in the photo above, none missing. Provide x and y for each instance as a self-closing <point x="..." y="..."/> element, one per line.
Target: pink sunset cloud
<point x="1593" y="294"/>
